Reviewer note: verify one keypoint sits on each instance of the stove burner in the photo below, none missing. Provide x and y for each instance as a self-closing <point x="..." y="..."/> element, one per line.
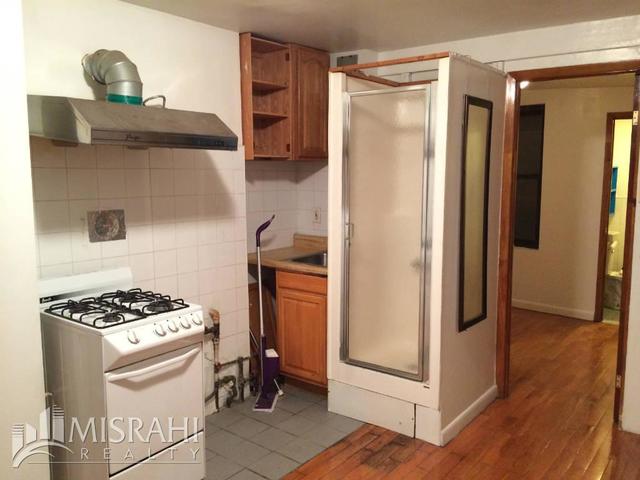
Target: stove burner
<point x="110" y="317"/>
<point x="158" y="306"/>
<point x="116" y="307"/>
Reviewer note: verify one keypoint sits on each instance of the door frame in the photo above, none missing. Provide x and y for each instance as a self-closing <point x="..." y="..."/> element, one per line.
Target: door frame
<point x="507" y="213"/>
<point x="604" y="208"/>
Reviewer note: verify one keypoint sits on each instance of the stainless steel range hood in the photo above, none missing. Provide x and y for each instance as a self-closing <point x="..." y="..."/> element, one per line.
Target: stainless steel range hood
<point x="98" y="122"/>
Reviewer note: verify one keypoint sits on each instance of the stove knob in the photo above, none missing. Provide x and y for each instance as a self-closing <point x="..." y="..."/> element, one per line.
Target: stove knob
<point x="184" y="321"/>
<point x="132" y="337"/>
<point x="172" y="326"/>
<point x="196" y="320"/>
<point x="159" y="329"/>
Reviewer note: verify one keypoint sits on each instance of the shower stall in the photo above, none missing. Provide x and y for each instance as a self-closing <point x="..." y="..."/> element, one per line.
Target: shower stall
<point x="386" y="216"/>
<point x="414" y="182"/>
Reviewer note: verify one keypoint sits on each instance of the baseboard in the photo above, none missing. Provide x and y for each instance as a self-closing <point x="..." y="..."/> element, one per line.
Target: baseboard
<point x="371" y="407"/>
<point x="554" y="309"/>
<point x="466" y="417"/>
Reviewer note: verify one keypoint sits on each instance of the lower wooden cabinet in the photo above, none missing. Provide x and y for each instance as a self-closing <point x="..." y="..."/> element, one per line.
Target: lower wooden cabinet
<point x="302" y="326"/>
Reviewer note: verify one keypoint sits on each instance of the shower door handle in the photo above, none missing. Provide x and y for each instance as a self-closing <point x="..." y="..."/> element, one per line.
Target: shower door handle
<point x="348" y="231"/>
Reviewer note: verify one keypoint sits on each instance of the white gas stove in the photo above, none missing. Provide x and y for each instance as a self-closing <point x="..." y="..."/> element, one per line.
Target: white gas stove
<point x="128" y="364"/>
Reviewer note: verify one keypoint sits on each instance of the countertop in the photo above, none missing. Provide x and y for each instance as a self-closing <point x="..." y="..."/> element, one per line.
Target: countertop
<point x="280" y="258"/>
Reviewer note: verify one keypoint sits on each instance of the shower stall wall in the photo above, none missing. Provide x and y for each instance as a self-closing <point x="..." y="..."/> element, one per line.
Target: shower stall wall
<point x="396" y="355"/>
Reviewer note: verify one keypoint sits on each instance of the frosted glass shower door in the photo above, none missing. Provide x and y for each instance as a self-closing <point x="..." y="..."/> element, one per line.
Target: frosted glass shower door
<point x="385" y="210"/>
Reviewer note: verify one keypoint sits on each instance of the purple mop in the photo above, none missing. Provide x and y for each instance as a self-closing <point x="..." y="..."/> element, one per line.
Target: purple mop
<point x="269" y="359"/>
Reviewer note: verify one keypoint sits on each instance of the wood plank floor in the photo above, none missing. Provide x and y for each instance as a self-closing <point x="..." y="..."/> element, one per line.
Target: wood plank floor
<point x="557" y="423"/>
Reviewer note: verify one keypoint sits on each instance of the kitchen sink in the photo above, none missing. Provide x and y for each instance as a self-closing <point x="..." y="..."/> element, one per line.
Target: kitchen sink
<point x="319" y="259"/>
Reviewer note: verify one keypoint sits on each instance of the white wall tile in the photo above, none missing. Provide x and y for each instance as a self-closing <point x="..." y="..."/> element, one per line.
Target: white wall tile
<point x="115" y="248"/>
<point x="140" y="239"/>
<point x="168" y="285"/>
<point x="54" y="271"/>
<point x="184" y="158"/>
<point x="207" y="280"/>
<point x="55" y="248"/>
<point x="164" y="236"/>
<point x="52" y="216"/>
<point x="45" y="154"/>
<point x="186" y="208"/>
<point x="137" y="182"/>
<point x="86" y="266"/>
<point x="136" y="158"/>
<point x="188" y="285"/>
<point x="187" y="259"/>
<point x="163" y="209"/>
<point x="138" y="211"/>
<point x="82" y="249"/>
<point x="165" y="263"/>
<point x="49" y="183"/>
<point x="83" y="183"/>
<point x="184" y="181"/>
<point x="186" y="234"/>
<point x="161" y="182"/>
<point x="81" y="156"/>
<point x="110" y="156"/>
<point x="115" y="262"/>
<point x="142" y="266"/>
<point x="161" y="158"/>
<point x="111" y="183"/>
<point x="206" y="256"/>
<point x="78" y="213"/>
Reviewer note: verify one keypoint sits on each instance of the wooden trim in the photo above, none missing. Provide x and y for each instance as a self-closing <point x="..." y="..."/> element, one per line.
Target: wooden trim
<point x="507" y="215"/>
<point x="627" y="262"/>
<point x="387" y="63"/>
<point x="373" y="78"/>
<point x="587" y="70"/>
<point x="469" y="100"/>
<point x="415" y="82"/>
<point x="604" y="209"/>
<point x="246" y="97"/>
<point x="507" y="222"/>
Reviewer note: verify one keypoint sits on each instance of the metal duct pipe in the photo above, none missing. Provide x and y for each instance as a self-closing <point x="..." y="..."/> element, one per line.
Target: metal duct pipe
<point x="113" y="69"/>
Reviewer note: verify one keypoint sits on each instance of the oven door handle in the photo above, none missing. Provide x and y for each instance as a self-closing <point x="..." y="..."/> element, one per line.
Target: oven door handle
<point x="114" y="377"/>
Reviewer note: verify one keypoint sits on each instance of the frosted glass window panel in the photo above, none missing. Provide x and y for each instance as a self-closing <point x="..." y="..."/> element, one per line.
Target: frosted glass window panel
<point x="385" y="194"/>
<point x="474" y="211"/>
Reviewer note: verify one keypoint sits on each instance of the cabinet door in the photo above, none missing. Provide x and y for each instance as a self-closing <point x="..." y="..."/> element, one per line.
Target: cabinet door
<point x="302" y="334"/>
<point x="310" y="102"/>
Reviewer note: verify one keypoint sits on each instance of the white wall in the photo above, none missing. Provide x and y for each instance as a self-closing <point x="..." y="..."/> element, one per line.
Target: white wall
<point x="560" y="276"/>
<point x="20" y="348"/>
<point x="197" y="67"/>
<point x="468" y="357"/>
<point x="291" y="191"/>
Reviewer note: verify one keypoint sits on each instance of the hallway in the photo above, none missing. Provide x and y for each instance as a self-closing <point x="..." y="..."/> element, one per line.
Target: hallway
<point x="557" y="423"/>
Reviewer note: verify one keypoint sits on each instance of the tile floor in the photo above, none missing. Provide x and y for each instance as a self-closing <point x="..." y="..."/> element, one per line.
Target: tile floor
<point x="245" y="445"/>
<point x="609" y="315"/>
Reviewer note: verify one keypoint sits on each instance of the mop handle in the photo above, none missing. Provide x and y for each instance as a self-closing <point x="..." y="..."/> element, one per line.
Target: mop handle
<point x="259" y="231"/>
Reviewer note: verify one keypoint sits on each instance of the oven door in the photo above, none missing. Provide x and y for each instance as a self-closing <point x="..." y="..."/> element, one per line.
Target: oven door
<point x="153" y="404"/>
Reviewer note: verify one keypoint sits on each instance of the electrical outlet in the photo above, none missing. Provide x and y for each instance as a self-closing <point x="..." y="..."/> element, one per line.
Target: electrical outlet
<point x="317" y="216"/>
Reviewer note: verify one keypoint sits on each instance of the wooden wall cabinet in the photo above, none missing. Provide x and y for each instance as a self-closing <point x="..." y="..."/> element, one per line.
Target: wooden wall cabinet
<point x="284" y="91"/>
<point x="302" y="326"/>
<point x="310" y="100"/>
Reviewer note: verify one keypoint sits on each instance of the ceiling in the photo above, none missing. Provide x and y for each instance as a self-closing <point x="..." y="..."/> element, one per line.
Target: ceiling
<point x="342" y="25"/>
<point x="621" y="80"/>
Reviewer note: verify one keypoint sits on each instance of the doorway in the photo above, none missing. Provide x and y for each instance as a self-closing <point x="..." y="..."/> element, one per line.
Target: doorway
<point x="615" y="187"/>
<point x="508" y="213"/>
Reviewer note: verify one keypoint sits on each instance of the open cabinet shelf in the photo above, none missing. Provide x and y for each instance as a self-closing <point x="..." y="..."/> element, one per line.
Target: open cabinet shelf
<point x="269" y="115"/>
<point x="266" y="86"/>
<point x="284" y="100"/>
